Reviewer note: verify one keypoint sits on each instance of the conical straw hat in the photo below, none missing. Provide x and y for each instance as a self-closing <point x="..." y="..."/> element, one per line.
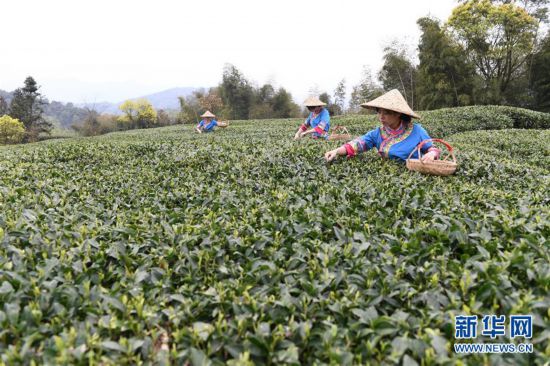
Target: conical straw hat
<point x="208" y="114"/>
<point x="393" y="101"/>
<point x="313" y="102"/>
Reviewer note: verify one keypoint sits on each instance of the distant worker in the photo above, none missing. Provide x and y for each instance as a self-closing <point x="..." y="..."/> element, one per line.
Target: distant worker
<point x="317" y="122"/>
<point x="208" y="123"/>
<point x="396" y="138"/>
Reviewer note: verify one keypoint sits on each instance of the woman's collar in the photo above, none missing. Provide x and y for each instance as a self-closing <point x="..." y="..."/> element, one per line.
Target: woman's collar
<point x="398" y="130"/>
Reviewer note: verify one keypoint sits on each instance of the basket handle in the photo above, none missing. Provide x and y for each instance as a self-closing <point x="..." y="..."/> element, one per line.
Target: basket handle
<point x="340" y="128"/>
<point x="419" y="147"/>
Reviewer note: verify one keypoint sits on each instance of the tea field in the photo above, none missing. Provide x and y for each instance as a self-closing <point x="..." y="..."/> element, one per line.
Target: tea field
<point x="243" y="246"/>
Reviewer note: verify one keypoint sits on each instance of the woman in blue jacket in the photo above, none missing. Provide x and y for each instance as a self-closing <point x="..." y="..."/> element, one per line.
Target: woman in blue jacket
<point x="208" y="123"/>
<point x="396" y="138"/>
<point x="317" y="122"/>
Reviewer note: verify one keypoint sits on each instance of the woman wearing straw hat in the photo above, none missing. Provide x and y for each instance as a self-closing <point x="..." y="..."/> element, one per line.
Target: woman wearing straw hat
<point x="317" y="123"/>
<point x="208" y="123"/>
<point x="396" y="138"/>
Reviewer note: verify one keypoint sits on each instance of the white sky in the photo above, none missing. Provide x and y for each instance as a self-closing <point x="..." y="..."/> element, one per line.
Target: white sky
<point x="91" y="51"/>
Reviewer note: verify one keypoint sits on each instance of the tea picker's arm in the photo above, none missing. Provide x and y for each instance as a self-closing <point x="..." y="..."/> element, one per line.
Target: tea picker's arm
<point x="430" y="155"/>
<point x="307" y="132"/>
<point x="333" y="154"/>
<point x="318" y="128"/>
<point x="302" y="129"/>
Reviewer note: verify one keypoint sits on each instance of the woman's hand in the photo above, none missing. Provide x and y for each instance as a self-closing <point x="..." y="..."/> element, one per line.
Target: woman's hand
<point x="331" y="155"/>
<point x="298" y="135"/>
<point x="429" y="156"/>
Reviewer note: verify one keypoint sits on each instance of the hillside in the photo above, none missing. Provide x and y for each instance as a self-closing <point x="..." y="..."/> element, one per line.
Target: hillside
<point x="243" y="245"/>
<point x="64" y="115"/>
<point x="166" y="99"/>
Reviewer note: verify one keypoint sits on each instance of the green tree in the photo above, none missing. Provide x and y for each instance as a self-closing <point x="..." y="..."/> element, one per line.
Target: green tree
<point x="325" y="98"/>
<point x="90" y="125"/>
<point x="189" y="109"/>
<point x="283" y="106"/>
<point x="4" y="109"/>
<point x="538" y="9"/>
<point x="262" y="107"/>
<point x="340" y="97"/>
<point x="236" y="92"/>
<point x="498" y="39"/>
<point x="129" y="116"/>
<point x="265" y="94"/>
<point x="540" y="76"/>
<point x="137" y="114"/>
<point x="445" y="78"/>
<point x="27" y="106"/>
<point x="366" y="90"/>
<point x="66" y="114"/>
<point x="12" y="131"/>
<point x="163" y="119"/>
<point x="260" y="111"/>
<point x="192" y="106"/>
<point x="399" y="72"/>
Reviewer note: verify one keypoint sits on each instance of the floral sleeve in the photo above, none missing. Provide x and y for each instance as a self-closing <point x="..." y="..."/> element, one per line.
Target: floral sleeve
<point x="320" y="128"/>
<point x="361" y="144"/>
<point x="305" y="125"/>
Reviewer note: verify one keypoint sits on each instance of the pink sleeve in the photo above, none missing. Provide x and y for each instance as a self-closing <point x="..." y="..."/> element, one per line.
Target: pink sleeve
<point x="349" y="150"/>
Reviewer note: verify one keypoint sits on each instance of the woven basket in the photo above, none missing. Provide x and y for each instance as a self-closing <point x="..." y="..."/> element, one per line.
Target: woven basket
<point x="433" y="167"/>
<point x="340" y="133"/>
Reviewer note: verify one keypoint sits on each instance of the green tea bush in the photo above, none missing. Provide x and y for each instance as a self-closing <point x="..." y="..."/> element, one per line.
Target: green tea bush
<point x="525" y="118"/>
<point x="448" y="121"/>
<point x="452" y="120"/>
<point x="165" y="246"/>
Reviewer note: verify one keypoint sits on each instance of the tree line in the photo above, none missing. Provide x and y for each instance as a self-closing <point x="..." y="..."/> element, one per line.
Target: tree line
<point x="234" y="98"/>
<point x="237" y="98"/>
<point x="487" y="52"/>
<point x="22" y="120"/>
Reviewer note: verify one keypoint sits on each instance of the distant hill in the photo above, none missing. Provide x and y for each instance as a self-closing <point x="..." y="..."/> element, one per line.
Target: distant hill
<point x="166" y="99"/>
<point x="6" y="95"/>
<point x="65" y="114"/>
<point x="62" y="115"/>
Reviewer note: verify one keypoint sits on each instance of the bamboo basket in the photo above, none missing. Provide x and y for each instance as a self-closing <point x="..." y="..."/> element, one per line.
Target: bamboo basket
<point x="442" y="167"/>
<point x="340" y="133"/>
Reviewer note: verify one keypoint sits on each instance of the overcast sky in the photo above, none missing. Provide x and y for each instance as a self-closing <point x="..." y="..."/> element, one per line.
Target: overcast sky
<point x="106" y="50"/>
